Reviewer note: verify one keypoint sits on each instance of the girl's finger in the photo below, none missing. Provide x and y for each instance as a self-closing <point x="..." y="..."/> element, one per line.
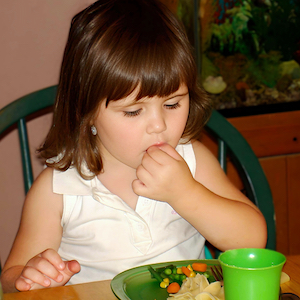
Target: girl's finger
<point x="139" y="188"/>
<point x="149" y="164"/>
<point x="21" y="285"/>
<point x="163" y="154"/>
<point x="31" y="275"/>
<point x="142" y="174"/>
<point x="72" y="267"/>
<point x="44" y="267"/>
<point x="170" y="151"/>
<point x="54" y="258"/>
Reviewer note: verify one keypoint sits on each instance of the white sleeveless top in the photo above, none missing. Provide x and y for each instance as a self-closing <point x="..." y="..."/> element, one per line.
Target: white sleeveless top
<point x="106" y="236"/>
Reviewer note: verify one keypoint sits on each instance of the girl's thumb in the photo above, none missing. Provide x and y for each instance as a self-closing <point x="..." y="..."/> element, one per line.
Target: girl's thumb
<point x="72" y="267"/>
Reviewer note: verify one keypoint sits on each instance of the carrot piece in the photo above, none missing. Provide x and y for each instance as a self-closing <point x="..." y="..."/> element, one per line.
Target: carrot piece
<point x="173" y="288"/>
<point x="186" y="271"/>
<point x="200" y="267"/>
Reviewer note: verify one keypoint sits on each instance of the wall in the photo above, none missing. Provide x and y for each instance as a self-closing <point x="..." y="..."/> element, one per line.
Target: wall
<point x="32" y="39"/>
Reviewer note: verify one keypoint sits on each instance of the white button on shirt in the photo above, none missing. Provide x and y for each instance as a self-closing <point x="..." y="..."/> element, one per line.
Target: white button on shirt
<point x="106" y="236"/>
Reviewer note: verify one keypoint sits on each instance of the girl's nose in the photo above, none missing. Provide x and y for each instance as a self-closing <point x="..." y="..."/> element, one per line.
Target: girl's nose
<point x="156" y="124"/>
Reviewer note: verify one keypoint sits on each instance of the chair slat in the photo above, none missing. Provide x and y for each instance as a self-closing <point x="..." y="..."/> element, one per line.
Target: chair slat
<point x="222" y="153"/>
<point x="25" y="154"/>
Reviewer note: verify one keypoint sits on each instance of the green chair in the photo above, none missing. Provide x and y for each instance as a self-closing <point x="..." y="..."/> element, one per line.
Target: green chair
<point x="233" y="144"/>
<point x="16" y="113"/>
<point x="230" y="143"/>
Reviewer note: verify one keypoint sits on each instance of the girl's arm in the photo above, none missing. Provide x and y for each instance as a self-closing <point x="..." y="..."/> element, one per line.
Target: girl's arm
<point x="227" y="218"/>
<point x="209" y="202"/>
<point x="33" y="261"/>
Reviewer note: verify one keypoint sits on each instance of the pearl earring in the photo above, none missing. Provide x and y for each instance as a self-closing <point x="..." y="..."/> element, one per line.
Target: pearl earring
<point x="93" y="130"/>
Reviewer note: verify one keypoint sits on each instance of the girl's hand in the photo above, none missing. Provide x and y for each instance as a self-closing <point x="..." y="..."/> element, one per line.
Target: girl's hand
<point x="163" y="175"/>
<point x="46" y="269"/>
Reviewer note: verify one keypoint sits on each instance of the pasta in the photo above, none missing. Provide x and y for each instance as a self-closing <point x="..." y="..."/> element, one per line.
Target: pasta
<point x="198" y="288"/>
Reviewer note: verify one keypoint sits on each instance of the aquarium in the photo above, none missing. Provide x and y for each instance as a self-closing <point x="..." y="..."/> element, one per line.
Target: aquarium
<point x="248" y="52"/>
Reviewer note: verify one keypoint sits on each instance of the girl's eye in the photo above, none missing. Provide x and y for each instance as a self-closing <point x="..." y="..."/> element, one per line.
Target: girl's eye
<point x="172" y="106"/>
<point x="132" y="113"/>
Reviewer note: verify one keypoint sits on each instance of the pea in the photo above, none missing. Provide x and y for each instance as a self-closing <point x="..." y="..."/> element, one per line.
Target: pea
<point x="177" y="277"/>
<point x="168" y="271"/>
<point x="182" y="277"/>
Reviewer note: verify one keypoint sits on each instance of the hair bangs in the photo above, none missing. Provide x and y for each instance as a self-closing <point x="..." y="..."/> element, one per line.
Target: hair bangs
<point x="161" y="71"/>
<point x="156" y="68"/>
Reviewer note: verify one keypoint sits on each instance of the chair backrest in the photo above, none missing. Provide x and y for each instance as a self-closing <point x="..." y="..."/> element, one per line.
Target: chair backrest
<point x="16" y="113"/>
<point x="230" y="142"/>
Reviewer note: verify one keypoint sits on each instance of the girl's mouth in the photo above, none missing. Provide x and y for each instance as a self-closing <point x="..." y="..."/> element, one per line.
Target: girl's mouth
<point x="158" y="144"/>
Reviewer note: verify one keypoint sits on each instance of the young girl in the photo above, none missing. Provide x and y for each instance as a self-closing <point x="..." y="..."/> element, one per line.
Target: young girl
<point x="127" y="182"/>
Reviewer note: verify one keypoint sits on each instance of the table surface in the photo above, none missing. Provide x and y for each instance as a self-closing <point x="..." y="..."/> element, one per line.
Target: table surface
<point x="101" y="289"/>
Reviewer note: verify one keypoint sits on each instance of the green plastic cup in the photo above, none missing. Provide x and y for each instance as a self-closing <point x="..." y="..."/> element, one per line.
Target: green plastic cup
<point x="251" y="274"/>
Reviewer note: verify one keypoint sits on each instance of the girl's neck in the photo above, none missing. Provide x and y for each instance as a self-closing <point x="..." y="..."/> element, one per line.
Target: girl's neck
<point x="119" y="182"/>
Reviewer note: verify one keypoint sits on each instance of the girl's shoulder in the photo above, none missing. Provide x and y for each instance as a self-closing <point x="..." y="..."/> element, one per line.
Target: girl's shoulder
<point x="44" y="180"/>
<point x="200" y="150"/>
<point x="42" y="206"/>
<point x="41" y="193"/>
<point x="207" y="164"/>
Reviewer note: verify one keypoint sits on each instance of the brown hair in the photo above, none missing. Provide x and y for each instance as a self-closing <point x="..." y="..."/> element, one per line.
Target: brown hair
<point x="113" y="47"/>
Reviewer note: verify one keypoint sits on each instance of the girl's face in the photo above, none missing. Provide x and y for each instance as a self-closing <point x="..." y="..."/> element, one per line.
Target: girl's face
<point x="127" y="128"/>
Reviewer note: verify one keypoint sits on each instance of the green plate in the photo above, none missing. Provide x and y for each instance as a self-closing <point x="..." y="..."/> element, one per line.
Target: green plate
<point x="137" y="284"/>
